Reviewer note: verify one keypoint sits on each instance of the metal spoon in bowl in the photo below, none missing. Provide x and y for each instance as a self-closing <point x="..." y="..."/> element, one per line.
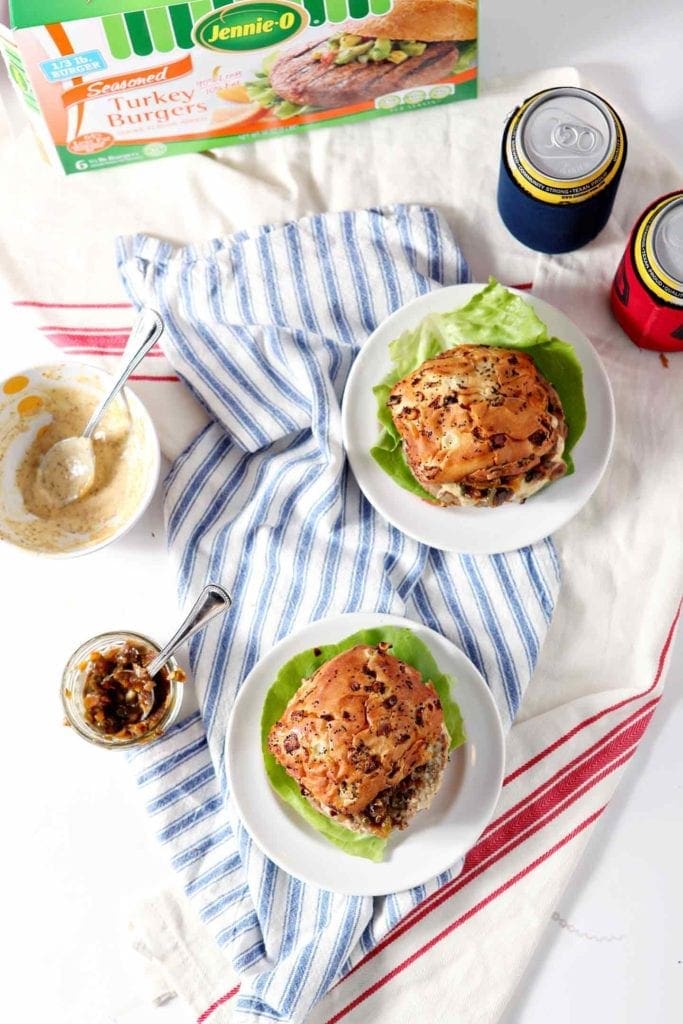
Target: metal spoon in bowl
<point x="67" y="469"/>
<point x="212" y="601"/>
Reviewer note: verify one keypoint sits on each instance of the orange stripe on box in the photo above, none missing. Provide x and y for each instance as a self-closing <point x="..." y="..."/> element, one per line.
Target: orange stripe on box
<point x="64" y="46"/>
<point x="115" y="84"/>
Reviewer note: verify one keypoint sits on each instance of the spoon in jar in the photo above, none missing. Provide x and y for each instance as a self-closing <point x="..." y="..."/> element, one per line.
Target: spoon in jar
<point x="212" y="601"/>
<point x="67" y="469"/>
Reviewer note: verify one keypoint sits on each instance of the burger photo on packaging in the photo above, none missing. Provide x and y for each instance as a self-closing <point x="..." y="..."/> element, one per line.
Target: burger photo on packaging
<point x="417" y="43"/>
<point x="356" y="736"/>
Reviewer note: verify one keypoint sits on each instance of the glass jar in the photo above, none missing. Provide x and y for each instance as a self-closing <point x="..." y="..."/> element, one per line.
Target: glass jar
<point x="80" y="688"/>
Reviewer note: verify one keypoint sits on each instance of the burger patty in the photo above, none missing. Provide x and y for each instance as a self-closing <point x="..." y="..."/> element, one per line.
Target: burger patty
<point x="396" y="806"/>
<point x="518" y="484"/>
<point x="299" y="78"/>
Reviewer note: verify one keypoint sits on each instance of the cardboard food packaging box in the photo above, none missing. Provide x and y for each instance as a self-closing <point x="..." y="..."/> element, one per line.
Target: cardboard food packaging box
<point x="107" y="82"/>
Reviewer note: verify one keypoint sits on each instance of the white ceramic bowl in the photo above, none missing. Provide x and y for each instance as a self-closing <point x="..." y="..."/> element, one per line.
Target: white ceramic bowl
<point x="22" y="415"/>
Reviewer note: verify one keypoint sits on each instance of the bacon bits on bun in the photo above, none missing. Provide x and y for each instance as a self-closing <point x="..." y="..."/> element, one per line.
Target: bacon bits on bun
<point x="365" y="740"/>
<point x="480" y="426"/>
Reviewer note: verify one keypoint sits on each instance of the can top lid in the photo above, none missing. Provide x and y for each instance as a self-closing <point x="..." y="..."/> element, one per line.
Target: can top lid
<point x="667" y="239"/>
<point x="568" y="133"/>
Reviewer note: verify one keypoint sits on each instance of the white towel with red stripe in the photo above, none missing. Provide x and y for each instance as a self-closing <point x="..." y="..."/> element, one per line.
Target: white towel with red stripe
<point x="460" y="953"/>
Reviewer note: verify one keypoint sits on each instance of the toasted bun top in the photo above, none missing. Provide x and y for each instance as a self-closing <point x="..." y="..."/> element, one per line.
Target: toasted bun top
<point x="476" y="411"/>
<point x="425" y="20"/>
<point x="359" y="725"/>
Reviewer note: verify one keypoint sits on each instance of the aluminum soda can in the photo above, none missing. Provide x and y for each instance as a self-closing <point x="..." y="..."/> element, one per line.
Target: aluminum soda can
<point x="562" y="155"/>
<point x="647" y="292"/>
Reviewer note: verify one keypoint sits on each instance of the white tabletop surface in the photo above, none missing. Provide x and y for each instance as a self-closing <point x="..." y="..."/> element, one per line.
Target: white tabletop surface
<point x="77" y="850"/>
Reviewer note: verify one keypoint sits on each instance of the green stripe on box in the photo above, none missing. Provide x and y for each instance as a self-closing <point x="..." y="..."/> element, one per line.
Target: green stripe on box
<point x="181" y="19"/>
<point x="117" y="37"/>
<point x="199" y="8"/>
<point x="136" y="23"/>
<point x="337" y="10"/>
<point x="380" y="6"/>
<point x="160" y="29"/>
<point x="358" y="8"/>
<point x="316" y="10"/>
<point x="17" y="72"/>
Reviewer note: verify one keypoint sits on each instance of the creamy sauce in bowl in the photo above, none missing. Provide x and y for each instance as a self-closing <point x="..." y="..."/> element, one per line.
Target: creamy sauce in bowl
<point x="58" y="404"/>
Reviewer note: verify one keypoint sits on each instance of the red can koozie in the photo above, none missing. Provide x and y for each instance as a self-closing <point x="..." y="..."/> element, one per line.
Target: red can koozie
<point x="647" y="292"/>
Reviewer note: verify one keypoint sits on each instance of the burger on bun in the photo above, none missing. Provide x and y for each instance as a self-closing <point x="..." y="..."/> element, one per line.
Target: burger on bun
<point x="365" y="740"/>
<point x="480" y="426"/>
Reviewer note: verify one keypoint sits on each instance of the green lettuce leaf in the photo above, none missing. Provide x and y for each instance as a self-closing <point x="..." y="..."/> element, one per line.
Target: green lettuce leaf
<point x="467" y="56"/>
<point x="405" y="646"/>
<point x="497" y="317"/>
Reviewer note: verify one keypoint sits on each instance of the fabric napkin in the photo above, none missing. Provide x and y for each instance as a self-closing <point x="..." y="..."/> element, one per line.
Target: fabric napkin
<point x="263" y="326"/>
<point x="461" y="954"/>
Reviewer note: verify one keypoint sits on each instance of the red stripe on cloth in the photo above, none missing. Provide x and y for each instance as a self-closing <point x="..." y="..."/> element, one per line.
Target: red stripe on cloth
<point x="233" y="991"/>
<point x="437" y="897"/>
<point x="491" y="849"/>
<point x="94" y="350"/>
<point x="75" y="338"/>
<point x="142" y="376"/>
<point x="650" y="706"/>
<point x="221" y="1001"/>
<point x="564" y="792"/>
<point x="381" y="982"/>
<point x="605" y="711"/>
<point x="73" y="305"/>
<point x="63" y="329"/>
<point x="633" y="734"/>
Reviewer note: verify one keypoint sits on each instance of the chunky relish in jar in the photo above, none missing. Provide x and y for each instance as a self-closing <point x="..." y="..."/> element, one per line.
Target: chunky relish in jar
<point x="109" y="696"/>
<point x="120" y="698"/>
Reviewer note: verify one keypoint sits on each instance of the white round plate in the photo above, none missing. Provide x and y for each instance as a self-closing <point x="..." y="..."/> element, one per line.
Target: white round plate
<point x="474" y="530"/>
<point x="436" y="838"/>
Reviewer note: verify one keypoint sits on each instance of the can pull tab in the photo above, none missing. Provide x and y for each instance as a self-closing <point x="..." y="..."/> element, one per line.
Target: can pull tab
<point x="575" y="138"/>
<point x="559" y="134"/>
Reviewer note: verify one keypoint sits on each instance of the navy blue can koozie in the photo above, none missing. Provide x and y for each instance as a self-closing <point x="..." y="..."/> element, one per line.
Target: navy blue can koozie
<point x="562" y="156"/>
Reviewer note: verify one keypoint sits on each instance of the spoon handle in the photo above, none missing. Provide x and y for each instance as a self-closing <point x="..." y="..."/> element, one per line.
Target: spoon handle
<point x="212" y="601"/>
<point x="150" y="325"/>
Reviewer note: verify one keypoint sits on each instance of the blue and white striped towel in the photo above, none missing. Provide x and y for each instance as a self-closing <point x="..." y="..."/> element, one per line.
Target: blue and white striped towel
<point x="263" y="326"/>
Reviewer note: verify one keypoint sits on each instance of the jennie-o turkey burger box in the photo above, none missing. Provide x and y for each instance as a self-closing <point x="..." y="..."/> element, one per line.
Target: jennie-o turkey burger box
<point x="107" y="82"/>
